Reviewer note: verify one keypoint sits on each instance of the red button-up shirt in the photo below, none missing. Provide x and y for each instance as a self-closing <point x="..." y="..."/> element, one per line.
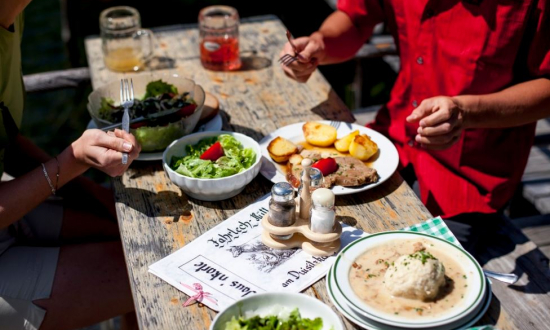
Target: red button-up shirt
<point x="453" y="47"/>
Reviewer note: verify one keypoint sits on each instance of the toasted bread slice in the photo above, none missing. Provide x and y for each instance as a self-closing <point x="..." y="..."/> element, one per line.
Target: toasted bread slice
<point x="280" y="149"/>
<point x="319" y="134"/>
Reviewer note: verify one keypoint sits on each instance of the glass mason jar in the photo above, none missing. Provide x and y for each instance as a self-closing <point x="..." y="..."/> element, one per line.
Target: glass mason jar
<point x="219" y="38"/>
<point x="126" y="46"/>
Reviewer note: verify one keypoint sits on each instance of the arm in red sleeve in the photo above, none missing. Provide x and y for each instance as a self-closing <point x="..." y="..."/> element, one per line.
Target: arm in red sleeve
<point x="538" y="59"/>
<point x="347" y="29"/>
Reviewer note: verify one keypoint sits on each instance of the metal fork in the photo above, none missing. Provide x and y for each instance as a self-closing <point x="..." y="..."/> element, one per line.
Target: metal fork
<point x="127" y="101"/>
<point x="335" y="124"/>
<point x="287" y="59"/>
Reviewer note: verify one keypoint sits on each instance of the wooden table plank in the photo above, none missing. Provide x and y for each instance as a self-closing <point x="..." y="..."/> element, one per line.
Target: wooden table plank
<point x="156" y="218"/>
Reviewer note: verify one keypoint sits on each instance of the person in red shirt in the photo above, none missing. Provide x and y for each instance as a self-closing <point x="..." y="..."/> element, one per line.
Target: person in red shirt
<point x="474" y="79"/>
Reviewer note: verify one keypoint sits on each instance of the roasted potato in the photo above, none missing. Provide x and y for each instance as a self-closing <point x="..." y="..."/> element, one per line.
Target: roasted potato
<point x="362" y="147"/>
<point x="342" y="144"/>
<point x="318" y="134"/>
<point x="295" y="159"/>
<point x="280" y="149"/>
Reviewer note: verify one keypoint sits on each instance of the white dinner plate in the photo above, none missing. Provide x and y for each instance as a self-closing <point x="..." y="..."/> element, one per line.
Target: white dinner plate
<point x="471" y="303"/>
<point x="214" y="124"/>
<point x="366" y="323"/>
<point x="385" y="163"/>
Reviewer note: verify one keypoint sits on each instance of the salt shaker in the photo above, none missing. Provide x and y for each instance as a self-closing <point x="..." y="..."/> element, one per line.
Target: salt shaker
<point x="282" y="207"/>
<point x="305" y="194"/>
<point x="322" y="212"/>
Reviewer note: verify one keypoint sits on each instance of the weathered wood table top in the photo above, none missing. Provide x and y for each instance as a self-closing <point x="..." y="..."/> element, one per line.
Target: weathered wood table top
<point x="156" y="218"/>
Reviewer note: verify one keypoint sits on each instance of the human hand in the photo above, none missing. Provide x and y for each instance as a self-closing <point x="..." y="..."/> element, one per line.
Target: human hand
<point x="441" y="122"/>
<point x="310" y="49"/>
<point x="103" y="150"/>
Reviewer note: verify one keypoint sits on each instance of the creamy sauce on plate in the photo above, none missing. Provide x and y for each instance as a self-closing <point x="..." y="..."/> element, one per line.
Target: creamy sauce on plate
<point x="367" y="278"/>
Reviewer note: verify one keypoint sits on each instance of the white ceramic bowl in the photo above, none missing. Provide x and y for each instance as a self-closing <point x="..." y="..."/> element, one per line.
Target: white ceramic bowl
<point x="169" y="133"/>
<point x="211" y="189"/>
<point x="309" y="308"/>
<point x="471" y="303"/>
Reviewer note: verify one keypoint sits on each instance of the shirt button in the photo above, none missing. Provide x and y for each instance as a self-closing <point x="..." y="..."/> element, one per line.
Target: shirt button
<point x="414" y="103"/>
<point x="419" y="60"/>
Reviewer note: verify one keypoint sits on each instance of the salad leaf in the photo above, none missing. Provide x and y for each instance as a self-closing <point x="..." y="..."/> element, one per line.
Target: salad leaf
<point x="159" y="87"/>
<point x="272" y="322"/>
<point x="106" y="109"/>
<point x="235" y="160"/>
<point x="153" y="138"/>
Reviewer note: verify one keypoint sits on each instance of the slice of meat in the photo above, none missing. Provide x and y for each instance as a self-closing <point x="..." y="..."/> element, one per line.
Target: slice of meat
<point x="351" y="171"/>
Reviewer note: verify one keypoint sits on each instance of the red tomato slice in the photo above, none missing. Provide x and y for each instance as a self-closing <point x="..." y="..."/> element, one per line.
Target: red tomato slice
<point x="213" y="153"/>
<point x="138" y="125"/>
<point x="187" y="110"/>
<point x="326" y="166"/>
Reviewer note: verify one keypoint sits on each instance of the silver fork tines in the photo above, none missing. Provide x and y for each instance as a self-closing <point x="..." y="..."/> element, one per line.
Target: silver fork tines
<point x="127" y="101"/>
<point x="335" y="124"/>
<point x="287" y="59"/>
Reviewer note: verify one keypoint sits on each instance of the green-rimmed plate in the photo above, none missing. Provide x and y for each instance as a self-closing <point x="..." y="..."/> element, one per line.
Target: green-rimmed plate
<point x="366" y="323"/>
<point x="471" y="302"/>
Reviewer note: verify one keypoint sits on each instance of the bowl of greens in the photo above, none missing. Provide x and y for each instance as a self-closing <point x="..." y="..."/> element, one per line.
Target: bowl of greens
<point x="212" y="166"/>
<point x="166" y="107"/>
<point x="277" y="310"/>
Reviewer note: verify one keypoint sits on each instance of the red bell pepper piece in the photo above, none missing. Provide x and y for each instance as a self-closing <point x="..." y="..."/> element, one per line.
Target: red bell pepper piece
<point x="326" y="166"/>
<point x="213" y="153"/>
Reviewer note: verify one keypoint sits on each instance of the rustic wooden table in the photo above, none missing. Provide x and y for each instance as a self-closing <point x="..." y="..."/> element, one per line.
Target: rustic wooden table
<point x="156" y="218"/>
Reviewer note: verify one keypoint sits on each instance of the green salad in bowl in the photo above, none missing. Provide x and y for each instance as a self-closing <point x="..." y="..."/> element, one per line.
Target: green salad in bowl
<point x="214" y="165"/>
<point x="170" y="107"/>
<point x="214" y="157"/>
<point x="276" y="319"/>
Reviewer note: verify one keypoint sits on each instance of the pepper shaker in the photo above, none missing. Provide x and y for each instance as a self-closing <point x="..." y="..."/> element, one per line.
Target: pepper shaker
<point x="305" y="194"/>
<point x="282" y="207"/>
<point x="316" y="177"/>
<point x="322" y="213"/>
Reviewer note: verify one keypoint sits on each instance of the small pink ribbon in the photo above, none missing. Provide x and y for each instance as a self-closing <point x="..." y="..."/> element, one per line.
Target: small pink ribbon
<point x="199" y="294"/>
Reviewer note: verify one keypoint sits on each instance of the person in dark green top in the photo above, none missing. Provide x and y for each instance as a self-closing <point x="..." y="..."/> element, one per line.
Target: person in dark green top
<point x="61" y="264"/>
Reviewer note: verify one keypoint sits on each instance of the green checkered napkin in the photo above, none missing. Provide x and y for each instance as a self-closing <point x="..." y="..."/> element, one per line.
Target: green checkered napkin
<point x="437" y="227"/>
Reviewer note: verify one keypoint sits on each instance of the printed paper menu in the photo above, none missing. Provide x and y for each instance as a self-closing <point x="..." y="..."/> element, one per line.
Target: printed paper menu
<point x="230" y="262"/>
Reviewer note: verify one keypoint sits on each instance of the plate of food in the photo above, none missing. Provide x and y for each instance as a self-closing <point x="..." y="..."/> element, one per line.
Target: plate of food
<point x="342" y="306"/>
<point x="352" y="158"/>
<point x="278" y="310"/>
<point x="409" y="280"/>
<point x="166" y="107"/>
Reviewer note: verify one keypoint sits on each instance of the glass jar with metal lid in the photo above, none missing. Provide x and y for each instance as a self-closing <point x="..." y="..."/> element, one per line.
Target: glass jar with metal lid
<point x="316" y="177"/>
<point x="282" y="207"/>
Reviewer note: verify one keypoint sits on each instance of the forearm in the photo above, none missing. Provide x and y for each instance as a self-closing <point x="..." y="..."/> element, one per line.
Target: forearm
<point x="19" y="196"/>
<point x="341" y="38"/>
<point x="517" y="105"/>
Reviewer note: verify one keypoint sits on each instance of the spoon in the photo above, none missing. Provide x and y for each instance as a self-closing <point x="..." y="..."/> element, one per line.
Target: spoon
<point x="503" y="277"/>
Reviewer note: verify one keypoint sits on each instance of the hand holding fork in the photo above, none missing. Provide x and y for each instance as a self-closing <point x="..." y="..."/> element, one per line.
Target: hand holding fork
<point x="299" y="57"/>
<point x="127" y="101"/>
